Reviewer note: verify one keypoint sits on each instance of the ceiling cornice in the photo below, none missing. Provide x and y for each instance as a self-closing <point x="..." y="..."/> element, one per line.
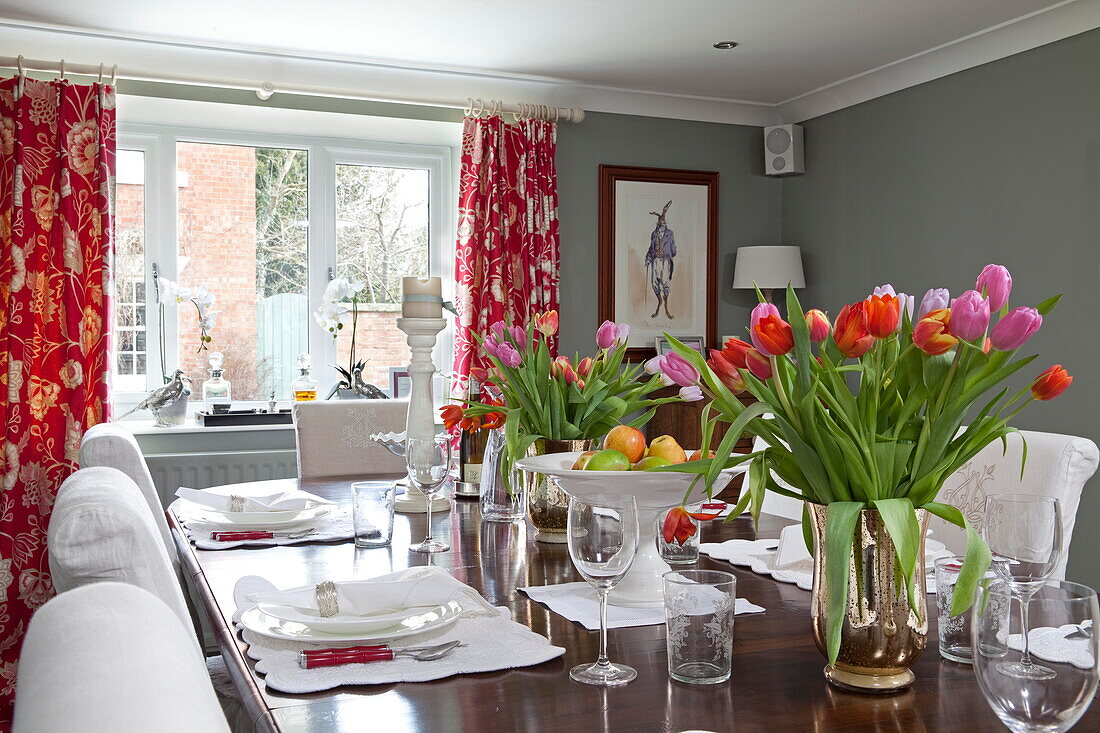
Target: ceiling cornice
<point x="428" y="83"/>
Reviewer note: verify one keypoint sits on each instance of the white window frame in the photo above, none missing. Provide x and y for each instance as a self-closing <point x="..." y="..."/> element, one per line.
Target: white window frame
<point x="324" y="154"/>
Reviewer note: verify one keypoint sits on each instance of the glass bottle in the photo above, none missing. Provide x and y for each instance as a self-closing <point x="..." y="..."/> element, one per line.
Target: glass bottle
<point x="471" y="446"/>
<point x="216" y="390"/>
<point x="304" y="385"/>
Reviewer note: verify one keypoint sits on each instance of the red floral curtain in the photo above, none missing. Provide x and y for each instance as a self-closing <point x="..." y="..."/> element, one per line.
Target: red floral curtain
<point x="57" y="160"/>
<point x="506" y="259"/>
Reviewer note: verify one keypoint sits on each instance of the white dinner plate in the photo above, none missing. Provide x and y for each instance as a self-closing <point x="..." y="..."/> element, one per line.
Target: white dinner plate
<point x="263" y="517"/>
<point x="344" y="623"/>
<point x="436" y="618"/>
<point x="223" y="519"/>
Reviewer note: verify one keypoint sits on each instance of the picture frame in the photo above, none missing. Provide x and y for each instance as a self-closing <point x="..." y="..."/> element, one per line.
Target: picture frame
<point x="662" y="346"/>
<point x="400" y="382"/>
<point x="658" y="254"/>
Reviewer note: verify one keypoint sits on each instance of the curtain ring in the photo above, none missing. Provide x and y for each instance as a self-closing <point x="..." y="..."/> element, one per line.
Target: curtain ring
<point x="114" y="72"/>
<point x="19" y="65"/>
<point x="100" y="80"/>
<point x="469" y="108"/>
<point x="61" y="75"/>
<point x="479" y="107"/>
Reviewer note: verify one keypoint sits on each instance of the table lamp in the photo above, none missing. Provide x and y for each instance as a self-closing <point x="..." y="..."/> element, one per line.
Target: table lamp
<point x="768" y="267"/>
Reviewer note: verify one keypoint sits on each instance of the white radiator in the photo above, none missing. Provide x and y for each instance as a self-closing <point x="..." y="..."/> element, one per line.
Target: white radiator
<point x="202" y="470"/>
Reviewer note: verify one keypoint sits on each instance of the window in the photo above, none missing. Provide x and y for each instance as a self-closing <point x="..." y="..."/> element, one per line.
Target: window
<point x="263" y="222"/>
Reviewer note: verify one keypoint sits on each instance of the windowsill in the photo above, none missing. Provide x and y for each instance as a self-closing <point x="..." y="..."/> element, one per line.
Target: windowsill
<point x="146" y="426"/>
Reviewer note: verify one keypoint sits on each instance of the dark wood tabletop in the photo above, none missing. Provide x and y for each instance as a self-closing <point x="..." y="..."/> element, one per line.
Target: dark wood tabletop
<point x="776" y="684"/>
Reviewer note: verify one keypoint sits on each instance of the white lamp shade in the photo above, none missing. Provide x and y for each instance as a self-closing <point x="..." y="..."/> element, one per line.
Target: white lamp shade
<point x="768" y="267"/>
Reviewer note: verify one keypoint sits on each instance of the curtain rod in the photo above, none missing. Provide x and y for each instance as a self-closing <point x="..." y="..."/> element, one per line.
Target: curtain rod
<point x="265" y="90"/>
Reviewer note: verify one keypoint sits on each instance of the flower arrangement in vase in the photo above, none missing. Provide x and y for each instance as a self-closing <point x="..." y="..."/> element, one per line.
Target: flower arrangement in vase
<point x="334" y="316"/>
<point x="868" y="443"/>
<point x="552" y="405"/>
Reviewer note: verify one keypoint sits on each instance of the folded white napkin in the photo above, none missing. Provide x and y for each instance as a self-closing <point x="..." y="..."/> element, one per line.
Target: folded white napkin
<point x="792" y="547"/>
<point x="410" y="588"/>
<point x="492" y="641"/>
<point x="578" y="602"/>
<point x="257" y="498"/>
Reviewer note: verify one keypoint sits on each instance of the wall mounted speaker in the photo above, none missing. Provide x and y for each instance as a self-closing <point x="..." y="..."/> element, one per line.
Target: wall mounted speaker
<point x="783" y="150"/>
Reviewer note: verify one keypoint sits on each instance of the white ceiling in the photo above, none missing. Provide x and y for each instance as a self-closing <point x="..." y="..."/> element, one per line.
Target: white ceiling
<point x="788" y="48"/>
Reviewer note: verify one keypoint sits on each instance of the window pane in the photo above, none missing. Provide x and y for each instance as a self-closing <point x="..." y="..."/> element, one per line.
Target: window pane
<point x="381" y="236"/>
<point x="129" y="271"/>
<point x="243" y="232"/>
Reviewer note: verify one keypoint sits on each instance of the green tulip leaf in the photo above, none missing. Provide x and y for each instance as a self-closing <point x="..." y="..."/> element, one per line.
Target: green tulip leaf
<point x="975" y="561"/>
<point x="901" y="524"/>
<point x="840" y="529"/>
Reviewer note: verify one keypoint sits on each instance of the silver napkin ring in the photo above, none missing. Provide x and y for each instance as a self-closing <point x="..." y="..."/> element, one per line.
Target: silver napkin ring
<point x="236" y="503"/>
<point x="326" y="599"/>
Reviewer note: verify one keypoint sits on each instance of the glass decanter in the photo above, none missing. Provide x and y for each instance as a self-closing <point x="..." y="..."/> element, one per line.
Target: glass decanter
<point x="304" y="386"/>
<point x="216" y="390"/>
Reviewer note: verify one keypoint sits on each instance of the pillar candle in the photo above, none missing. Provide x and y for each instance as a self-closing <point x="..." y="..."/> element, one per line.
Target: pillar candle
<point x="426" y="299"/>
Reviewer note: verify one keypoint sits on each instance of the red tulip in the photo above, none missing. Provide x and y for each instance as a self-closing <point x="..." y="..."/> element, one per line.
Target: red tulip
<point x="882" y="314"/>
<point x="678" y="525"/>
<point x="726" y="372"/>
<point x="758" y="364"/>
<point x="773" y="336"/>
<point x="1051" y="383"/>
<point x="584" y="367"/>
<point x="819" y="325"/>
<point x="452" y="416"/>
<point x="735" y="350"/>
<point x="850" y="331"/>
<point x="931" y="335"/>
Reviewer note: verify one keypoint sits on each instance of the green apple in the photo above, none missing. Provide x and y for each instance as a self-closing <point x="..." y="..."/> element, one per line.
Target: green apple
<point x="608" y="460"/>
<point x="651" y="462"/>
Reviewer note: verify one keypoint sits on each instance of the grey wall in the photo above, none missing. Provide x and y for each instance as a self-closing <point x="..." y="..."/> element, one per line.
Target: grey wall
<point x="749" y="210"/>
<point x="1000" y="163"/>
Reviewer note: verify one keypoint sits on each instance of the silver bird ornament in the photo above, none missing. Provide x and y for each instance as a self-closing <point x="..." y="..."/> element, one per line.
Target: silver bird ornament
<point x="366" y="389"/>
<point x="161" y="397"/>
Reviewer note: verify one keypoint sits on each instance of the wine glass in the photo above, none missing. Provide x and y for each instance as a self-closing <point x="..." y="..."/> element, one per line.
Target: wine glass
<point x="1065" y="618"/>
<point x="1024" y="533"/>
<point x="603" y="540"/>
<point x="429" y="465"/>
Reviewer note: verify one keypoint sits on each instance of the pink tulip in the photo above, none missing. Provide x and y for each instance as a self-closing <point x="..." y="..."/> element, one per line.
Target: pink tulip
<point x="622" y="332"/>
<point x="996" y="282"/>
<point x="508" y="355"/>
<point x="675" y="369"/>
<point x="519" y="336"/>
<point x="935" y="299"/>
<point x="969" y="316"/>
<point x="761" y="310"/>
<point x="884" y="290"/>
<point x="606" y="334"/>
<point x="691" y="393"/>
<point x="1015" y="328"/>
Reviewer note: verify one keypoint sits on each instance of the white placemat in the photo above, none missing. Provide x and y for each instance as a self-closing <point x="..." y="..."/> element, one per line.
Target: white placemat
<point x="759" y="556"/>
<point x="336" y="525"/>
<point x="578" y="602"/>
<point x="492" y="643"/>
<point x="1051" y="644"/>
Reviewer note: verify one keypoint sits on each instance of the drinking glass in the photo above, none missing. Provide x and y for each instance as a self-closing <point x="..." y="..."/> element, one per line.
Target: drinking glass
<point x="673" y="552"/>
<point x="603" y="540"/>
<point x="1024" y="533"/>
<point x="372" y="512"/>
<point x="954" y="631"/>
<point x="500" y="503"/>
<point x="1064" y="616"/>
<point x="429" y="465"/>
<point x="699" y="608"/>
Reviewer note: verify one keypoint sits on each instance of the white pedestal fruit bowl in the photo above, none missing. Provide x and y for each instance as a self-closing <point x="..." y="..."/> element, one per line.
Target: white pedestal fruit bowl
<point x="653" y="491"/>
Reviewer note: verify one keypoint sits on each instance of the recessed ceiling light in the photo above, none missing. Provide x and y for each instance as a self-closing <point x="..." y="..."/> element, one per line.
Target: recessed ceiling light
<point x="724" y="45"/>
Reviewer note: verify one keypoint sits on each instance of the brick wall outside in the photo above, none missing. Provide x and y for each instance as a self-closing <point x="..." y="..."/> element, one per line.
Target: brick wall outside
<point x="378" y="341"/>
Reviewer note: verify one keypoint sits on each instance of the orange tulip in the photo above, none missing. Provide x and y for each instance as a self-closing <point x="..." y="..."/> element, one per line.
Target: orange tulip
<point x="547" y="323"/>
<point x="850" y="331"/>
<point x="1051" y="383"/>
<point x="818" y="324"/>
<point x="883" y="312"/>
<point x="452" y="416"/>
<point x="678" y="526"/>
<point x="930" y="333"/>
<point x="774" y="335"/>
<point x="735" y="350"/>
<point x="726" y="372"/>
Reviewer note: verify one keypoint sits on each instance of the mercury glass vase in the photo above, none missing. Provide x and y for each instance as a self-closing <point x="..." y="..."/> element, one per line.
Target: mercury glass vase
<point x="882" y="634"/>
<point x="547" y="504"/>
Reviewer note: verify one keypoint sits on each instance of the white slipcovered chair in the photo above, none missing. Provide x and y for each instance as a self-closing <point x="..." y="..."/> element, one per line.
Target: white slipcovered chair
<point x="128" y="666"/>
<point x="101" y="530"/>
<point x="333" y="437"/>
<point x="1057" y="466"/>
<point x="777" y="504"/>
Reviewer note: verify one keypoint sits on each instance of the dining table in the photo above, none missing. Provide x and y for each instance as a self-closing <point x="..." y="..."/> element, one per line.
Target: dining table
<point x="776" y="683"/>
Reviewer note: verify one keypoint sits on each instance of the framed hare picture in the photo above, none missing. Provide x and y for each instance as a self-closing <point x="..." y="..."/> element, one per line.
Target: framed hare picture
<point x="659" y="253"/>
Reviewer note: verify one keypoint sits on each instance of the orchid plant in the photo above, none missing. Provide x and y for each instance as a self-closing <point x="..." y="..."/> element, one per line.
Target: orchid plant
<point x="203" y="300"/>
<point x="561" y="398"/>
<point x="889" y="443"/>
<point x="333" y="316"/>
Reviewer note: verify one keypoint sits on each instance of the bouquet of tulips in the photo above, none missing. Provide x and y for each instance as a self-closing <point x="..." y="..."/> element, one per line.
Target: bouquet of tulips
<point x="561" y="398"/>
<point x="874" y="410"/>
